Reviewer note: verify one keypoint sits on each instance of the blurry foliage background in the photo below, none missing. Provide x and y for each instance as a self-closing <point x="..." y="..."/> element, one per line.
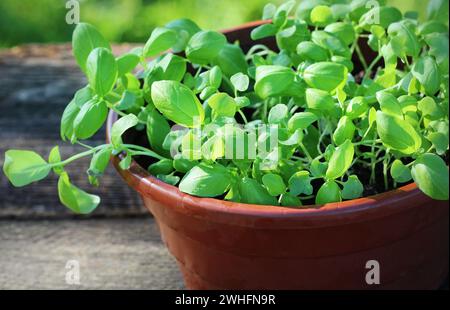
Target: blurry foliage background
<point x="24" y="21"/>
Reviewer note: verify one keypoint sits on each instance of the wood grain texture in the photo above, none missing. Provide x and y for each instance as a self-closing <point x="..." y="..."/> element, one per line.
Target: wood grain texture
<point x="36" y="83"/>
<point x="112" y="254"/>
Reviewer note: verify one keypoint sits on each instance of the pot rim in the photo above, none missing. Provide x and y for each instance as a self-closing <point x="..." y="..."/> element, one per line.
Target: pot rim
<point x="380" y="205"/>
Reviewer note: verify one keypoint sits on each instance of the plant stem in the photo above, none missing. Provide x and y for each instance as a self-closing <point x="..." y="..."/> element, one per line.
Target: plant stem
<point x="306" y="151"/>
<point x="147" y="151"/>
<point x="369" y="69"/>
<point x="78" y="156"/>
<point x="361" y="58"/>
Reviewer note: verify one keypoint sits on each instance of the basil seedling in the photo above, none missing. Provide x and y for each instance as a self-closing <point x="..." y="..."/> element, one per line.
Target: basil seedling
<point x="314" y="120"/>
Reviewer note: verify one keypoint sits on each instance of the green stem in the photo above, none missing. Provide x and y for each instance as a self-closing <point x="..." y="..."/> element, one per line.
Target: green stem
<point x="243" y="116"/>
<point x="361" y="58"/>
<point x="371" y="66"/>
<point x="306" y="152"/>
<point x="143" y="150"/>
<point x="78" y="156"/>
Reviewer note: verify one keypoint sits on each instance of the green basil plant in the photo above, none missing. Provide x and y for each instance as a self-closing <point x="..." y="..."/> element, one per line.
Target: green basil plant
<point x="314" y="119"/>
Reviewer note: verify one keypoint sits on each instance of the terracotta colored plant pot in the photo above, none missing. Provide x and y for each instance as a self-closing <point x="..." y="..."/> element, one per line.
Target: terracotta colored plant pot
<point x="225" y="245"/>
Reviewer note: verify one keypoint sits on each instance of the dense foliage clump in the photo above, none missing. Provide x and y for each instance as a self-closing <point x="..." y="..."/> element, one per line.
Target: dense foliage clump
<point x="313" y="120"/>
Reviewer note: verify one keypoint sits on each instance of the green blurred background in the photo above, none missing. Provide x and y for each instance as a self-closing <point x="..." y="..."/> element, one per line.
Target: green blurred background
<point x="24" y="21"/>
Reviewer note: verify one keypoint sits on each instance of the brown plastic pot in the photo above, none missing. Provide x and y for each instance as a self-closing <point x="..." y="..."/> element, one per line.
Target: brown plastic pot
<point x="226" y="245"/>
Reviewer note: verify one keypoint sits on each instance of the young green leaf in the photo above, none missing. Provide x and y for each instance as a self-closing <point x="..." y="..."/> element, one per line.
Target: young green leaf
<point x="185" y="29"/>
<point x="320" y="100"/>
<point x="98" y="165"/>
<point x="340" y="160"/>
<point x="389" y="104"/>
<point x="274" y="184"/>
<point x="178" y="103"/>
<point x="74" y="198"/>
<point x="300" y="183"/>
<point x="430" y="173"/>
<point x="329" y="192"/>
<point x="119" y="128"/>
<point x="345" y="131"/>
<point x="164" y="166"/>
<point x="101" y="70"/>
<point x="321" y="15"/>
<point x="231" y="60"/>
<point x="24" y="167"/>
<point x="397" y="133"/>
<point x="157" y="130"/>
<point x="70" y="113"/>
<point x="206" y="181"/>
<point x="254" y="193"/>
<point x="90" y="119"/>
<point x="205" y="46"/>
<point x="353" y="188"/>
<point x="222" y="105"/>
<point x="426" y="71"/>
<point x="240" y="81"/>
<point x="399" y="172"/>
<point x="273" y="81"/>
<point x="301" y="120"/>
<point x="264" y="31"/>
<point x="310" y="51"/>
<point x="326" y="76"/>
<point x="126" y="63"/>
<point x="160" y="40"/>
<point x="84" y="40"/>
<point x="278" y="114"/>
<point x="54" y="158"/>
<point x="344" y="31"/>
<point x="288" y="200"/>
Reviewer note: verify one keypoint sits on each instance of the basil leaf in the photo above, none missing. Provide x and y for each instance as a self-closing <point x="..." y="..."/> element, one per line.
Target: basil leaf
<point x="386" y="15"/>
<point x="340" y="160"/>
<point x="264" y="31"/>
<point x="301" y="120"/>
<point x="204" y="46"/>
<point x="160" y="40"/>
<point x="98" y="165"/>
<point x="74" y="198"/>
<point x="403" y="39"/>
<point x="326" y="76"/>
<point x="439" y="141"/>
<point x="177" y="103"/>
<point x="24" y="167"/>
<point x="331" y="42"/>
<point x="120" y="126"/>
<point x="430" y="173"/>
<point x="344" y="31"/>
<point x="84" y="40"/>
<point x="240" y="81"/>
<point x="300" y="183"/>
<point x="288" y="200"/>
<point x="90" y="119"/>
<point x="320" y="100"/>
<point x="357" y="107"/>
<point x="101" y="71"/>
<point x="206" y="181"/>
<point x="329" y="192"/>
<point x="426" y="71"/>
<point x="185" y="29"/>
<point x="254" y="193"/>
<point x="126" y="63"/>
<point x="389" y="104"/>
<point x="222" y="105"/>
<point x="345" y="130"/>
<point x="278" y="114"/>
<point x="157" y="129"/>
<point x="397" y="133"/>
<point x="399" y="172"/>
<point x="321" y="15"/>
<point x="231" y="60"/>
<point x="70" y="113"/>
<point x="164" y="167"/>
<point x="289" y="38"/>
<point x="54" y="158"/>
<point x="273" y="81"/>
<point x="274" y="184"/>
<point x="353" y="188"/>
<point x="310" y="51"/>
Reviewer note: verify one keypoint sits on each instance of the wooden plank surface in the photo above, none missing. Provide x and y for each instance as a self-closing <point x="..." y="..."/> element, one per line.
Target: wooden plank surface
<point x="36" y="83"/>
<point x="111" y="253"/>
